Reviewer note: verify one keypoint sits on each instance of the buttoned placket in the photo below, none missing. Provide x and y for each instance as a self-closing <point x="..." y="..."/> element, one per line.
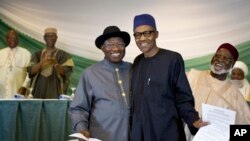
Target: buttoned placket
<point x="9" y="69"/>
<point x="119" y="81"/>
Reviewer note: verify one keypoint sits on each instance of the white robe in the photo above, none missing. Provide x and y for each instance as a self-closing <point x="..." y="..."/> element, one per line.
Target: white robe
<point x="224" y="94"/>
<point x="245" y="90"/>
<point x="13" y="71"/>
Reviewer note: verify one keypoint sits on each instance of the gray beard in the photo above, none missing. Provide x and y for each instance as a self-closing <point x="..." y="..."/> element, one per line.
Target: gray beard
<point x="223" y="71"/>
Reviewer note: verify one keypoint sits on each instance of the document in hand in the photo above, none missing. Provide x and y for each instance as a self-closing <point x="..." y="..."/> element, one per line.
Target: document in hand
<point x="219" y="124"/>
<point x="81" y="136"/>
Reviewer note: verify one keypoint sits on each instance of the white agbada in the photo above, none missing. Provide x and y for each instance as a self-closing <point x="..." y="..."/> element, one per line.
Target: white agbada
<point x="245" y="89"/>
<point x="224" y="94"/>
<point x="13" y="70"/>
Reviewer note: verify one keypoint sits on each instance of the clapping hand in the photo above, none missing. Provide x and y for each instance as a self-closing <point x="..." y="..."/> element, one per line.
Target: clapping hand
<point x="52" y="60"/>
<point x="47" y="59"/>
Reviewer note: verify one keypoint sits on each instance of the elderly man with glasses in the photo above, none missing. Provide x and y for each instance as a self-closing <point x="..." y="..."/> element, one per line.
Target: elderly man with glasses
<point x="212" y="86"/>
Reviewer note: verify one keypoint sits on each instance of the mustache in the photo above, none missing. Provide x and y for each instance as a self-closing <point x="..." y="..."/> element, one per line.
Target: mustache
<point x="223" y="71"/>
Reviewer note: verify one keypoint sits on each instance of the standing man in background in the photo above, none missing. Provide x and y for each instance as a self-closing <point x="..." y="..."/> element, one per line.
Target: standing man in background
<point x="13" y="67"/>
<point x="161" y="95"/>
<point x="50" y="69"/>
<point x="101" y="106"/>
<point x="238" y="77"/>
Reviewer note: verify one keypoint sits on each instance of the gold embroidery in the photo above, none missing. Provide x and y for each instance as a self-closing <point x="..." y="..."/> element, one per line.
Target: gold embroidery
<point x="121" y="87"/>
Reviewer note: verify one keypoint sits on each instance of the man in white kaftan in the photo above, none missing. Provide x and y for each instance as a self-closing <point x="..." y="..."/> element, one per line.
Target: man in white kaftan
<point x="13" y="67"/>
<point x="212" y="87"/>
<point x="209" y="90"/>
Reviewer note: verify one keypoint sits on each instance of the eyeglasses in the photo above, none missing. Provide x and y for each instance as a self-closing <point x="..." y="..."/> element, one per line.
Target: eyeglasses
<point x="110" y="45"/>
<point x="146" y="34"/>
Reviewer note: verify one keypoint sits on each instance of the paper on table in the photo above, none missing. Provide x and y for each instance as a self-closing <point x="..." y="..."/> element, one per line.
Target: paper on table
<point x="219" y="122"/>
<point x="81" y="136"/>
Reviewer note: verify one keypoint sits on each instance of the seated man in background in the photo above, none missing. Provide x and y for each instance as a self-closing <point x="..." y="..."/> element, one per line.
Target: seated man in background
<point x="50" y="69"/>
<point x="212" y="87"/>
<point x="238" y="77"/>
<point x="14" y="61"/>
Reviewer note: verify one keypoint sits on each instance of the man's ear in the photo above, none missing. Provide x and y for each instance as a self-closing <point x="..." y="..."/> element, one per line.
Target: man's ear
<point x="102" y="48"/>
<point x="156" y="34"/>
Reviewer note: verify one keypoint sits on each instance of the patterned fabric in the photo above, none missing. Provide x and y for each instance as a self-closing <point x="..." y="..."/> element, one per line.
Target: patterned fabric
<point x="48" y="83"/>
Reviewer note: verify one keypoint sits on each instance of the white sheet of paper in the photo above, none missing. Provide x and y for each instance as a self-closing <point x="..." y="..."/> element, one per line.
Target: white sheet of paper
<point x="81" y="136"/>
<point x="219" y="119"/>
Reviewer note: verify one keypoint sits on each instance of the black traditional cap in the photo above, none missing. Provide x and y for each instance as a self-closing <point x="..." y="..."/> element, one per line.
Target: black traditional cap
<point x="112" y="31"/>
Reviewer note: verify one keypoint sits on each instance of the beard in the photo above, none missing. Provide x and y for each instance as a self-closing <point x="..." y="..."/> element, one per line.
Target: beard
<point x="222" y="71"/>
<point x="238" y="83"/>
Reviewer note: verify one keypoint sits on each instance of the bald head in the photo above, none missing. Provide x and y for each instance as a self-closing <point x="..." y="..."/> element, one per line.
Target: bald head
<point x="12" y="39"/>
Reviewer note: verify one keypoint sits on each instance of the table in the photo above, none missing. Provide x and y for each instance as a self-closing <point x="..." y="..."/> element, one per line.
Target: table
<point x="34" y="120"/>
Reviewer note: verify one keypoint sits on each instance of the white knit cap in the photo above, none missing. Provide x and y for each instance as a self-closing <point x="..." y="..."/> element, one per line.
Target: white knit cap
<point x="241" y="65"/>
